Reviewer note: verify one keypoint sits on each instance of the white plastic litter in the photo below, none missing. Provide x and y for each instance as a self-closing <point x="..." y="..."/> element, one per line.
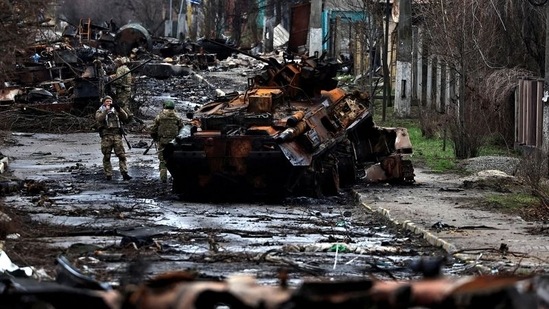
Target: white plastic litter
<point x="6" y="265"/>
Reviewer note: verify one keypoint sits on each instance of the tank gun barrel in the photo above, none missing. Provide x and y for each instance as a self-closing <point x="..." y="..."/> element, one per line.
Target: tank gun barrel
<point x="291" y="133"/>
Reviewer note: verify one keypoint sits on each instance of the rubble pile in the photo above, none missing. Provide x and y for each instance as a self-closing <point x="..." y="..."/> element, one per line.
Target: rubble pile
<point x="66" y="76"/>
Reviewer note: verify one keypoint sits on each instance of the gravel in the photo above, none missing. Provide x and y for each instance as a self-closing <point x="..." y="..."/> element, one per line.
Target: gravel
<point x="508" y="165"/>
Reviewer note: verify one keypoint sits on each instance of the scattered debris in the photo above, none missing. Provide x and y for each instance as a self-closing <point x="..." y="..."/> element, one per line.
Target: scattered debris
<point x="69" y="74"/>
<point x="180" y="289"/>
<point x="292" y="131"/>
<point x="6" y="266"/>
<point x="3" y="163"/>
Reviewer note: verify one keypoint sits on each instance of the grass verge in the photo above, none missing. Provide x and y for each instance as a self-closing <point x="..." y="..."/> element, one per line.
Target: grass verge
<point x="436" y="154"/>
<point x="511" y="202"/>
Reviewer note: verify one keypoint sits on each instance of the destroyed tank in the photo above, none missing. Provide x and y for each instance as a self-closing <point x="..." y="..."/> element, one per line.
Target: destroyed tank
<point x="292" y="132"/>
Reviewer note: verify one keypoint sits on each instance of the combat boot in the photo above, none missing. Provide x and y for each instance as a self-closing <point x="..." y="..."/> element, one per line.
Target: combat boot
<point x="125" y="176"/>
<point x="164" y="175"/>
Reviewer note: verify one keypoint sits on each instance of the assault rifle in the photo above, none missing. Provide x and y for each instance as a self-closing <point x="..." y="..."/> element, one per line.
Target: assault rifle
<point x="153" y="142"/>
<point x="130" y="71"/>
<point x="123" y="132"/>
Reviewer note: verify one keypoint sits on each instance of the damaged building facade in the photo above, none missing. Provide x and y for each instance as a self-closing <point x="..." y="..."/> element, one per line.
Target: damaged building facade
<point x="68" y="73"/>
<point x="61" y="61"/>
<point x="69" y="69"/>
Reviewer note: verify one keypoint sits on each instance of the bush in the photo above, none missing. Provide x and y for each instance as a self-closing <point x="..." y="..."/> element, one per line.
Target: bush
<point x="533" y="169"/>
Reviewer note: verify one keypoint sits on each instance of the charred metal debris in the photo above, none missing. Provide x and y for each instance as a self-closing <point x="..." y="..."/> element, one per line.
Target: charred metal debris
<point x="67" y="73"/>
<point x="184" y="290"/>
<point x="292" y="131"/>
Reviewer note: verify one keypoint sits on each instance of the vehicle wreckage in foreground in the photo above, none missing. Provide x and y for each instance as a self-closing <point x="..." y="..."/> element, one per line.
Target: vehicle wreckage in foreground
<point x="293" y="131"/>
<point x="184" y="290"/>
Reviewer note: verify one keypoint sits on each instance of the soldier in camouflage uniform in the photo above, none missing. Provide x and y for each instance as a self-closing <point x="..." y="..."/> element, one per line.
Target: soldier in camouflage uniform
<point x="109" y="117"/>
<point x="123" y="86"/>
<point x="165" y="128"/>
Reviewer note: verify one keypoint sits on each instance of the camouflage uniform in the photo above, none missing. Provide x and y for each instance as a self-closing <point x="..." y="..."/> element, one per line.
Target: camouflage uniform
<point x="165" y="128"/>
<point x="123" y="87"/>
<point x="110" y="131"/>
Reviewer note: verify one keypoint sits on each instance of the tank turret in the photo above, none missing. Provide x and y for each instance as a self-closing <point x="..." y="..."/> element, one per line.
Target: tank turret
<point x="293" y="131"/>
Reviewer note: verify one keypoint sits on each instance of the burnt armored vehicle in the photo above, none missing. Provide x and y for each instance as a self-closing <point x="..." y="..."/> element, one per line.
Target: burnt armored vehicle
<point x="291" y="132"/>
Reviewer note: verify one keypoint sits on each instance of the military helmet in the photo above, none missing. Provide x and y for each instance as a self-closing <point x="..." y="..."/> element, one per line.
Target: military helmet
<point x="169" y="104"/>
<point x="105" y="98"/>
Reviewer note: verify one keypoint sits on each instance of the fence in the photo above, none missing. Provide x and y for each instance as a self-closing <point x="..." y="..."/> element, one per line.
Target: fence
<point x="529" y="113"/>
<point x="436" y="86"/>
<point x="434" y="83"/>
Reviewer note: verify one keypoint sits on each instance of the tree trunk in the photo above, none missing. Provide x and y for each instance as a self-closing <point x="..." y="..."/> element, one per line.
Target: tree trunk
<point x="269" y="15"/>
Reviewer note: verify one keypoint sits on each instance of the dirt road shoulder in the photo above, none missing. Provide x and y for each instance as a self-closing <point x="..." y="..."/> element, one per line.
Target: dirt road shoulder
<point x="440" y="208"/>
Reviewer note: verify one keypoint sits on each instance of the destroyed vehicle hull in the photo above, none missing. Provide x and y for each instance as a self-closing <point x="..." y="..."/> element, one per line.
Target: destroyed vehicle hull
<point x="292" y="132"/>
<point x="305" y="148"/>
<point x="209" y="163"/>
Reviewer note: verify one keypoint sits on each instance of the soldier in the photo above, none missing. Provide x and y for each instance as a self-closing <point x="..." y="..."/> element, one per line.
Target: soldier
<point x="108" y="117"/>
<point x="123" y="85"/>
<point x="165" y="128"/>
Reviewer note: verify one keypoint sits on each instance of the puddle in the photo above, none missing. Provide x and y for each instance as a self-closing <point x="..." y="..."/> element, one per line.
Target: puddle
<point x="141" y="218"/>
<point x="219" y="240"/>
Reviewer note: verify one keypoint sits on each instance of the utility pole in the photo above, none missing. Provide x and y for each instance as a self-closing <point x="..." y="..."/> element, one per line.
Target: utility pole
<point x="182" y="22"/>
<point x="403" y="83"/>
<point x="315" y="27"/>
<point x="268" y="31"/>
<point x="545" y="130"/>
<point x="386" y="73"/>
<point x="171" y="20"/>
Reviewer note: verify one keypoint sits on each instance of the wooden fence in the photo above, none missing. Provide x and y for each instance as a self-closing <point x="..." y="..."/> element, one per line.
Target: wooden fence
<point x="529" y="113"/>
<point x="435" y="85"/>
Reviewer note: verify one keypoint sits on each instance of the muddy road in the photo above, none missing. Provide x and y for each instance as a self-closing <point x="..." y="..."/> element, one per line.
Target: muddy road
<point x="67" y="207"/>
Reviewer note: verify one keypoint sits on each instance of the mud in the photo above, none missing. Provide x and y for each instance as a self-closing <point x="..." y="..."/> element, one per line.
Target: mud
<point x="65" y="206"/>
<point x="102" y="226"/>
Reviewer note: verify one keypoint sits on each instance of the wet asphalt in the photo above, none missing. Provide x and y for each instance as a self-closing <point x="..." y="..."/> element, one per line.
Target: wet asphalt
<point x="109" y="225"/>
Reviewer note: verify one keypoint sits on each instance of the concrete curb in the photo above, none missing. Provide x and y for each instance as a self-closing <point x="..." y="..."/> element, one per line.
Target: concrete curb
<point x="427" y="235"/>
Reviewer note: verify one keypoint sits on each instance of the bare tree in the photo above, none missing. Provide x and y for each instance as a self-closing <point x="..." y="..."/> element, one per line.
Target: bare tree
<point x="243" y="16"/>
<point x="149" y="13"/>
<point x="214" y="18"/>
<point x="476" y="39"/>
<point x="19" y="23"/>
<point x="359" y="25"/>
